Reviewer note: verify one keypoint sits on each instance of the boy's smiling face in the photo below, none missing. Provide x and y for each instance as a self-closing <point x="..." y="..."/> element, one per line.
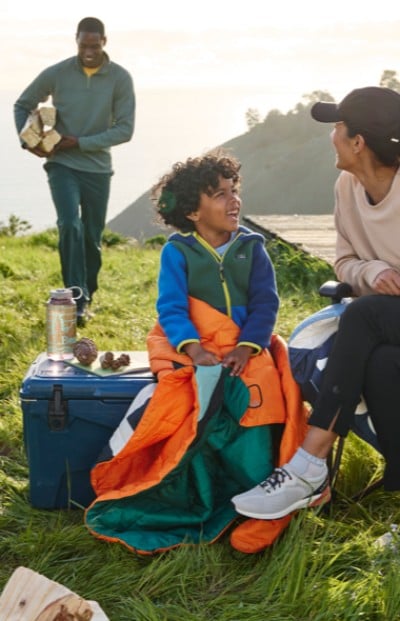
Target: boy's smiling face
<point x="217" y="215"/>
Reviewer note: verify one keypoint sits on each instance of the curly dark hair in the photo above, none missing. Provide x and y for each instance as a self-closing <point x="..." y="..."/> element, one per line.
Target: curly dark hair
<point x="177" y="194"/>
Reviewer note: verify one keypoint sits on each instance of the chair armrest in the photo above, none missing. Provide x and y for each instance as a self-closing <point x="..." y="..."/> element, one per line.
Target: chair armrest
<point x="335" y="290"/>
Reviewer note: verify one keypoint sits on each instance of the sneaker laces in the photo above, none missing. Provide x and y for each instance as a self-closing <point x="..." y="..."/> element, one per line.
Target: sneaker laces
<point x="275" y="480"/>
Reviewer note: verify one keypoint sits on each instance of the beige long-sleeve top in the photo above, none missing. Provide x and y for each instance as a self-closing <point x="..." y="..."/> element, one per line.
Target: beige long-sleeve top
<point x="368" y="236"/>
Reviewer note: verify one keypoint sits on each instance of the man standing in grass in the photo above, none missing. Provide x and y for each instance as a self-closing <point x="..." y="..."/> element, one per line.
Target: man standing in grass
<point x="95" y="106"/>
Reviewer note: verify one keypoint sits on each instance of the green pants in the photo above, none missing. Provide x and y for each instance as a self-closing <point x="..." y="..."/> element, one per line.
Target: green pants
<point x="81" y="200"/>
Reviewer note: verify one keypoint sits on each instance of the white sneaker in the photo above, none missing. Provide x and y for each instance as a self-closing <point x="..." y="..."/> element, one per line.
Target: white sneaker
<point x="280" y="494"/>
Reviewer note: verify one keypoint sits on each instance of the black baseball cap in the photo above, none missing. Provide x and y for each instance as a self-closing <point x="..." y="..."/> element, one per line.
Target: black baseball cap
<point x="372" y="110"/>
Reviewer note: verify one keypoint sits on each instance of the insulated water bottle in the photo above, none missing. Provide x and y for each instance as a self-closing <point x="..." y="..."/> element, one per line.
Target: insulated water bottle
<point x="60" y="324"/>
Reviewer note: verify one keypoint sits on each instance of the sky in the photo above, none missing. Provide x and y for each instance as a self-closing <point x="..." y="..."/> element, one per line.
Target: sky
<point x="287" y="46"/>
<point x="197" y="68"/>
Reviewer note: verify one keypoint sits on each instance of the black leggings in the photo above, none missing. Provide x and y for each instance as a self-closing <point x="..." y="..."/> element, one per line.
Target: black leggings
<point x="365" y="359"/>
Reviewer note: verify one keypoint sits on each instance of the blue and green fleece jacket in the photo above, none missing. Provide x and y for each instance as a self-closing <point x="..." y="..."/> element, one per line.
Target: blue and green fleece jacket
<point x="99" y="110"/>
<point x="240" y="283"/>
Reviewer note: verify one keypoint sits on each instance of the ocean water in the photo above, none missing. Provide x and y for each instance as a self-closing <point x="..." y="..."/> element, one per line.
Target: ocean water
<point x="170" y="126"/>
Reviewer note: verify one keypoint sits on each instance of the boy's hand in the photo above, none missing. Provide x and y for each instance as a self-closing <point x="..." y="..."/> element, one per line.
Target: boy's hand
<point x="237" y="359"/>
<point x="199" y="355"/>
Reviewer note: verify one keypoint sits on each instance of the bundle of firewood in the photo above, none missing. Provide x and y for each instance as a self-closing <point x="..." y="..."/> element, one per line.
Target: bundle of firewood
<point x="39" y="131"/>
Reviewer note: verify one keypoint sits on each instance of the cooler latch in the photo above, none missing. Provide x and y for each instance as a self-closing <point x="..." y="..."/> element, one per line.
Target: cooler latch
<point x="58" y="410"/>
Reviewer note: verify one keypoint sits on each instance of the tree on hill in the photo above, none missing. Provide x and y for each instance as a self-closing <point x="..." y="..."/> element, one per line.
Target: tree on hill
<point x="389" y="80"/>
<point x="253" y="117"/>
<point x="312" y="98"/>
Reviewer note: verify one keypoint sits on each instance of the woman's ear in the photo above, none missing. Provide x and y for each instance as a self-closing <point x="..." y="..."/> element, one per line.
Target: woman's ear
<point x="359" y="143"/>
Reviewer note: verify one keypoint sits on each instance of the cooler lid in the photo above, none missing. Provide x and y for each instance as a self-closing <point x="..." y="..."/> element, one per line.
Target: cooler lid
<point x="44" y="374"/>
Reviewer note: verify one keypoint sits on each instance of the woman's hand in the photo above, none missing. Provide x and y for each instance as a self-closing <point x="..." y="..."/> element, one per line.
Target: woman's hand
<point x="237" y="359"/>
<point x="387" y="282"/>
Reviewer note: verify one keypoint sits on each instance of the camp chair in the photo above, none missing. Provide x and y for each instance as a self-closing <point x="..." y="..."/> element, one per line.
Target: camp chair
<point x="309" y="347"/>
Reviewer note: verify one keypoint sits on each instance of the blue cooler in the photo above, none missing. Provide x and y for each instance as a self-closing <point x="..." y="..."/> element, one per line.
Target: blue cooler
<point x="69" y="415"/>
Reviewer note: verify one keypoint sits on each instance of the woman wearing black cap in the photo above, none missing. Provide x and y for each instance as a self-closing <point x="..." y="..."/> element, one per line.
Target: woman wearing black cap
<point x="366" y="356"/>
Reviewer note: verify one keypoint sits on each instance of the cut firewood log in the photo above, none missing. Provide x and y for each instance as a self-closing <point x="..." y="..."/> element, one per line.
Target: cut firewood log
<point x="29" y="596"/>
<point x="47" y="115"/>
<point x="31" y="133"/>
<point x="35" y="122"/>
<point x="67" y="608"/>
<point x="49" y="140"/>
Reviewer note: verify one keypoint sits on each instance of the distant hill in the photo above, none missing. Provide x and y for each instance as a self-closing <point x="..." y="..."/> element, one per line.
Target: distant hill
<point x="288" y="167"/>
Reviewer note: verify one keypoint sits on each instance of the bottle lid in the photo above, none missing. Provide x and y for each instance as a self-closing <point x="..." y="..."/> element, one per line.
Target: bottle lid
<point x="61" y="294"/>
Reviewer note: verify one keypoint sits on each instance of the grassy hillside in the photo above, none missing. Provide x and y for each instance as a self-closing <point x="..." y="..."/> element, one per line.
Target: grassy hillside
<point x="325" y="567"/>
<point x="287" y="167"/>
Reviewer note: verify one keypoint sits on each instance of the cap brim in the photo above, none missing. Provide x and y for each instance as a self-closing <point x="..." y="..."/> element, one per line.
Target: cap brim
<point x="325" y="112"/>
